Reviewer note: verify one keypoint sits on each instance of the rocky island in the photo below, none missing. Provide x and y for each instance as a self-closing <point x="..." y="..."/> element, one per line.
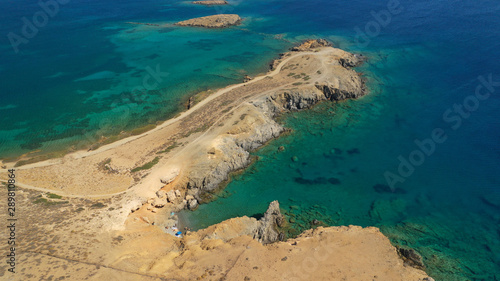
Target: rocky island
<point x="107" y="214"/>
<point x="211" y="2"/>
<point x="215" y="21"/>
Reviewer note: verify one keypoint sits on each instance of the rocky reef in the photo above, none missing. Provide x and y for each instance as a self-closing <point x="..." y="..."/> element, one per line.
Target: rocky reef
<point x="215" y="21"/>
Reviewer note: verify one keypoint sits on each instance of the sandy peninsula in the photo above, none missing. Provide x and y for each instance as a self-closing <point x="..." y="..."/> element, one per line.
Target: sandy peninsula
<point x="215" y="21"/>
<point x="106" y="214"/>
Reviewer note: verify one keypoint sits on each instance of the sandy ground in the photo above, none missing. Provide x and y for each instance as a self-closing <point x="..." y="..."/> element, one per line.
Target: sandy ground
<point x="90" y="233"/>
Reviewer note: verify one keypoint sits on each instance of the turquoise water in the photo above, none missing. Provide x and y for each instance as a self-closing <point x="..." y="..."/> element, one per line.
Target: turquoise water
<point x="343" y="151"/>
<point x="88" y="73"/>
<point x="79" y="78"/>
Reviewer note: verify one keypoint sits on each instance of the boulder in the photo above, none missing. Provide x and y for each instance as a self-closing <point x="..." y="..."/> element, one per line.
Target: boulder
<point x="160" y="193"/>
<point x="159" y="203"/>
<point x="171" y="196"/>
<point x="183" y="204"/>
<point x="170" y="176"/>
<point x="192" y="204"/>
<point x="177" y="193"/>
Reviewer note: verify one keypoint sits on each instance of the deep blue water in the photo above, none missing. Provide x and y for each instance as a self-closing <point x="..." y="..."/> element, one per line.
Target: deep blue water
<point x="77" y="71"/>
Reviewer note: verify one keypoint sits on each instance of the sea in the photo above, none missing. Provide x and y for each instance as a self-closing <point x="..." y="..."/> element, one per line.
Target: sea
<point x="418" y="157"/>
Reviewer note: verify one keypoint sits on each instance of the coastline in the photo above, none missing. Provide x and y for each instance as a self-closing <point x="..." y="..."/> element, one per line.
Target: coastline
<point x="233" y="121"/>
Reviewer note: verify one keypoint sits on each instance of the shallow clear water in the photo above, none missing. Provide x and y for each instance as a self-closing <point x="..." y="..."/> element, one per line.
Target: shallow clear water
<point x="78" y="70"/>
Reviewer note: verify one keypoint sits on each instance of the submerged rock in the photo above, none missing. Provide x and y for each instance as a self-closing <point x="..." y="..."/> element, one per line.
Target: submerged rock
<point x="384" y="188"/>
<point x="411" y="258"/>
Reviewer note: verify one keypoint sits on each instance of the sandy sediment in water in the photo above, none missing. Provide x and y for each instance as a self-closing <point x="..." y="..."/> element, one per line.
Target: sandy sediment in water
<point x="110" y="221"/>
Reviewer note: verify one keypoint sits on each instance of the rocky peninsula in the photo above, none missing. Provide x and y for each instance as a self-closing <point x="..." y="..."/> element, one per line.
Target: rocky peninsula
<point x="215" y="21"/>
<point x="107" y="213"/>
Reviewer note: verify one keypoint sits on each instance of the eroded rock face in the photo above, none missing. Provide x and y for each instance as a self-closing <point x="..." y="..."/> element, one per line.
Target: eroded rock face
<point x="335" y="94"/>
<point x="267" y="229"/>
<point x="209" y="173"/>
<point x="215" y="21"/>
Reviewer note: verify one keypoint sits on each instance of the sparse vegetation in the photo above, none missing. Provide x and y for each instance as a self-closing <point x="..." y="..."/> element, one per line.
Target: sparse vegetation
<point x="47" y="202"/>
<point x="98" y="205"/>
<point x="53" y="196"/>
<point x="297" y="83"/>
<point x="147" y="166"/>
<point x="227" y="109"/>
<point x="169" y="148"/>
<point x="40" y="200"/>
<point x="226" y="102"/>
<point x="197" y="130"/>
<point x="103" y="165"/>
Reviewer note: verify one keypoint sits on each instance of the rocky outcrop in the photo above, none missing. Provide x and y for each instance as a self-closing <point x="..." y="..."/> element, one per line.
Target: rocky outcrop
<point x="230" y="151"/>
<point x="215" y="21"/>
<point x="411" y="258"/>
<point x="311" y="44"/>
<point x="211" y="2"/>
<point x="170" y="176"/>
<point x="352" y="61"/>
<point x="334" y="93"/>
<point x="267" y="229"/>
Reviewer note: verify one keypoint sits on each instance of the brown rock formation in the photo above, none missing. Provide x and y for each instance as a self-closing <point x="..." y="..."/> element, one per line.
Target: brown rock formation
<point x="267" y="230"/>
<point x="215" y="21"/>
<point x="311" y="44"/>
<point x="211" y="2"/>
